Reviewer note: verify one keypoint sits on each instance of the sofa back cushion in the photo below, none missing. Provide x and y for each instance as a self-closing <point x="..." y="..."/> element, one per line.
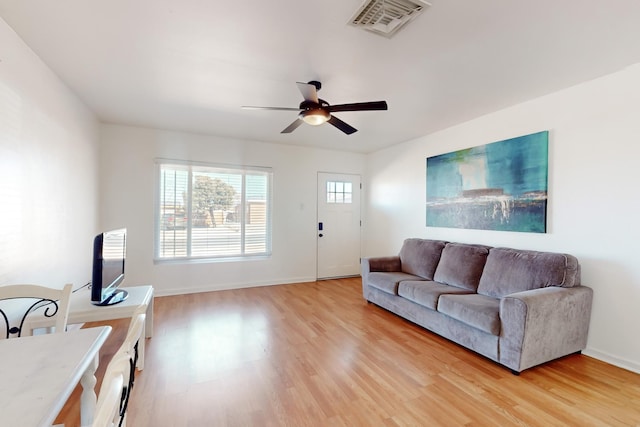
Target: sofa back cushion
<point x="511" y="270"/>
<point x="461" y="265"/>
<point x="420" y="257"/>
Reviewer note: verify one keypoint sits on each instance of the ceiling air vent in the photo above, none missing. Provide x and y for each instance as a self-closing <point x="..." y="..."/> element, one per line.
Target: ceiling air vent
<point x="386" y="17"/>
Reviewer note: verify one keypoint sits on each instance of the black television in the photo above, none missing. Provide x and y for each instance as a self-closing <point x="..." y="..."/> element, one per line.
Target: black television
<point x="109" y="255"/>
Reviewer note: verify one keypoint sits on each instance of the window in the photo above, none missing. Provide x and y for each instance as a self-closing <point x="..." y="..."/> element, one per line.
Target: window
<point x="207" y="211"/>
<point x="339" y="192"/>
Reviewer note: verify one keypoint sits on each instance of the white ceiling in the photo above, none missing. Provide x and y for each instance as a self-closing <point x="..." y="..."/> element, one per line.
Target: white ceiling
<point x="189" y="65"/>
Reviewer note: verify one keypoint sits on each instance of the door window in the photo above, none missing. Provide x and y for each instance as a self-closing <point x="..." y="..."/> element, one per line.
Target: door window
<point x="339" y="192"/>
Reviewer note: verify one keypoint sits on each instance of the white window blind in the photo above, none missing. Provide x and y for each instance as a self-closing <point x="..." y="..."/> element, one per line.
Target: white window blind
<point x="208" y="211"/>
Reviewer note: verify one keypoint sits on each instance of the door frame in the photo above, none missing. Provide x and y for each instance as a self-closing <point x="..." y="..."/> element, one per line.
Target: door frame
<point x="318" y="201"/>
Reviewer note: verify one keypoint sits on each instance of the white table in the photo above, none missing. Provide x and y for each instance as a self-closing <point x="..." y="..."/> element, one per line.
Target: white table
<point x="81" y="311"/>
<point x="39" y="373"/>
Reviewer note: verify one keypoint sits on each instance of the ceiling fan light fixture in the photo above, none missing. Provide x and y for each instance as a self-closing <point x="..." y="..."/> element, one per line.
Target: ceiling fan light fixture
<point x="315" y="117"/>
<point x="315" y="111"/>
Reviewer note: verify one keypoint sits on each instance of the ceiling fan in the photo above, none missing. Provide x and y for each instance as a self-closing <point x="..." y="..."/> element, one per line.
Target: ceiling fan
<point x="316" y="111"/>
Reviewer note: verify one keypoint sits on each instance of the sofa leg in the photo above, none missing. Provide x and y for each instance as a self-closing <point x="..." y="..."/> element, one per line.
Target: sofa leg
<point x="516" y="373"/>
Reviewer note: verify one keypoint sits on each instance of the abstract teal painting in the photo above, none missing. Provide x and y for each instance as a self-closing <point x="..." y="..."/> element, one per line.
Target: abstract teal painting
<point x="498" y="186"/>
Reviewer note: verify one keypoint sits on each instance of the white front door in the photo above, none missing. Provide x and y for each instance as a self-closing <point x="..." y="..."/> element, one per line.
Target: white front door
<point x="338" y="226"/>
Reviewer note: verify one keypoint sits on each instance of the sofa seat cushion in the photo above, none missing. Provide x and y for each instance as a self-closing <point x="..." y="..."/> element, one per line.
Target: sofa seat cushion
<point x="480" y="311"/>
<point x="388" y="281"/>
<point x="426" y="292"/>
<point x="461" y="265"/>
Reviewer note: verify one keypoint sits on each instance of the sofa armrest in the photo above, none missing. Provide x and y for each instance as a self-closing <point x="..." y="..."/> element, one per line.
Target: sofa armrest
<point x="388" y="263"/>
<point x="543" y="324"/>
<point x="374" y="264"/>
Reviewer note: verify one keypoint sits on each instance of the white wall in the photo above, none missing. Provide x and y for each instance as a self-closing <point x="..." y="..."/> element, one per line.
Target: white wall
<point x="594" y="202"/>
<point x="48" y="173"/>
<point x="128" y="187"/>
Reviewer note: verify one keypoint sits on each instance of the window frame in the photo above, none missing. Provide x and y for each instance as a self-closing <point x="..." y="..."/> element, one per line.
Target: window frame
<point x="196" y="167"/>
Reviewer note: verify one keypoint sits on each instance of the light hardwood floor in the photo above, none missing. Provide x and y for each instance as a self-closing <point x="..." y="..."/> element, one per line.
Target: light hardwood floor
<point x="316" y="354"/>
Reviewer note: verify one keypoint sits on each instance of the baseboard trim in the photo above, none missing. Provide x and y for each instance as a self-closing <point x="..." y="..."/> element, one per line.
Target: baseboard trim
<point x="229" y="286"/>
<point x="620" y="362"/>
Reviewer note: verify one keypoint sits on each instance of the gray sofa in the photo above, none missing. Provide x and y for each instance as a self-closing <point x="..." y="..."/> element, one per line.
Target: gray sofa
<point x="519" y="308"/>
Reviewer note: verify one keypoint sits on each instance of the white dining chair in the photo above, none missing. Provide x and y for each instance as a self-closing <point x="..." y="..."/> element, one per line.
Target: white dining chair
<point x="112" y="393"/>
<point x="18" y="299"/>
<point x="134" y="334"/>
<point x="128" y="352"/>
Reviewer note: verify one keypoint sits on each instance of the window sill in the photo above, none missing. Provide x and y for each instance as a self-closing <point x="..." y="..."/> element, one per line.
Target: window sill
<point x="204" y="260"/>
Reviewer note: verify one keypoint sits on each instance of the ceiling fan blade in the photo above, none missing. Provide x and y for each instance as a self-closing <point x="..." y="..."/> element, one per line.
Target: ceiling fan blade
<point x="308" y="91"/>
<point x="358" y="106"/>
<point x="293" y="126"/>
<point x="344" y="127"/>
<point x="250" y="107"/>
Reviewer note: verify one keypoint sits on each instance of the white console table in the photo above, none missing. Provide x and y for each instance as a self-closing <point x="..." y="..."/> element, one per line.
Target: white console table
<point x="82" y="311"/>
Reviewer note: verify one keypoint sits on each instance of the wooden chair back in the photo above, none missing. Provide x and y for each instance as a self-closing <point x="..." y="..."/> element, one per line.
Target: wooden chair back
<point x="112" y="393"/>
<point x="22" y="301"/>
<point x="122" y="365"/>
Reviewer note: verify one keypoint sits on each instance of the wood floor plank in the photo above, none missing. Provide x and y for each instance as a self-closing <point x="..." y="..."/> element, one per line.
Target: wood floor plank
<point x="317" y="354"/>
